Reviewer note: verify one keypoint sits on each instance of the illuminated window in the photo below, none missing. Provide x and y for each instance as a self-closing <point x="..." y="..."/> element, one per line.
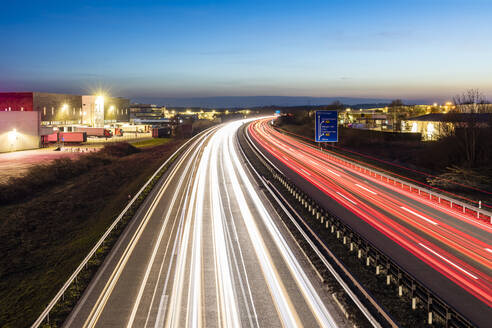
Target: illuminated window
<point x="430" y="130"/>
<point x="52" y="110"/>
<point x="414" y="127"/>
<point x="44" y="111"/>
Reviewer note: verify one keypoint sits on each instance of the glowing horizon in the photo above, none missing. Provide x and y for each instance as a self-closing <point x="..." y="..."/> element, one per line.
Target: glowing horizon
<point x="419" y="50"/>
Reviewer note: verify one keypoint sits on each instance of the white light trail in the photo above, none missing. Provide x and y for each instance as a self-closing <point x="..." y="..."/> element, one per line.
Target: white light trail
<point x="229" y="312"/>
<point x="284" y="305"/>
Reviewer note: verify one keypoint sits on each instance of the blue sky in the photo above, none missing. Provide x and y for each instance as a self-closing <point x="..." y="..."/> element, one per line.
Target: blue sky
<point x="397" y="49"/>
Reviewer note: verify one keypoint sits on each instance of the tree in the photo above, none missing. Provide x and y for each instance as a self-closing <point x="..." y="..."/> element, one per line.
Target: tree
<point x="465" y="122"/>
<point x="472" y="101"/>
<point x="396" y="107"/>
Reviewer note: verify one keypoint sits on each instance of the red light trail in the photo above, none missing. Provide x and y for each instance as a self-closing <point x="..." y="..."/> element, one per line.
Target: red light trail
<point x="455" y="244"/>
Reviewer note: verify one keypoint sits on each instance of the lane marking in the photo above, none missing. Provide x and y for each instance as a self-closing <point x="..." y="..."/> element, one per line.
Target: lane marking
<point x="327" y="169"/>
<point x="306" y="172"/>
<point x="347" y="198"/>
<point x="448" y="261"/>
<point x="368" y="190"/>
<point x="420" y="216"/>
<point x="334" y="173"/>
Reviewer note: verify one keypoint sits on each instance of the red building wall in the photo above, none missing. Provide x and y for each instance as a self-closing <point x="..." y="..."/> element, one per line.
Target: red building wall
<point x="16" y="101"/>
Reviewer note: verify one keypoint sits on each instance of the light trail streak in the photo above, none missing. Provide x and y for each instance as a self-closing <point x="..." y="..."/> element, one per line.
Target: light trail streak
<point x="108" y="288"/>
<point x="387" y="212"/>
<point x="206" y="193"/>
<point x="229" y="312"/>
<point x="307" y="289"/>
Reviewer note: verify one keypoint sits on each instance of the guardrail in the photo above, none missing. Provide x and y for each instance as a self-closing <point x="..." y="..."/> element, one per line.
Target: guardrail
<point x="363" y="249"/>
<point x="44" y="316"/>
<point x="437" y="198"/>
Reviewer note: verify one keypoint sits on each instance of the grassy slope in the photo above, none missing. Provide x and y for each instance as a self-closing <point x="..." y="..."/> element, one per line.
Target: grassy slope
<point x="150" y="142"/>
<point x="44" y="238"/>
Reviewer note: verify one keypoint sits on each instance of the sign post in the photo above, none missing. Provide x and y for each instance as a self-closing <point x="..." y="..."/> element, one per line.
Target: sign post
<point x="326" y="126"/>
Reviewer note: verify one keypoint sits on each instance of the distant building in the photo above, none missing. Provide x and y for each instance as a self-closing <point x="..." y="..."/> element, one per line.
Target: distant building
<point x="434" y="126"/>
<point x="141" y="113"/>
<point x="364" y="119"/>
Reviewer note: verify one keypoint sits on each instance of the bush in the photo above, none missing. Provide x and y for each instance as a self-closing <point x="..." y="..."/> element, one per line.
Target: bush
<point x="119" y="149"/>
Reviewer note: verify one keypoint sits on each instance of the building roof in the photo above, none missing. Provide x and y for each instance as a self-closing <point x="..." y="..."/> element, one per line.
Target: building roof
<point x="453" y="117"/>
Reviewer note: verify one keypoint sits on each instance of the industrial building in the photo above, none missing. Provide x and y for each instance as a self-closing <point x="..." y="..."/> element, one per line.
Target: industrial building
<point x="26" y="116"/>
<point x="65" y="109"/>
<point x="100" y="110"/>
<point x="19" y="130"/>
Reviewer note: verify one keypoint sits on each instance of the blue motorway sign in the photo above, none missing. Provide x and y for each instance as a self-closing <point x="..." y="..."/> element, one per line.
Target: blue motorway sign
<point x="326" y="126"/>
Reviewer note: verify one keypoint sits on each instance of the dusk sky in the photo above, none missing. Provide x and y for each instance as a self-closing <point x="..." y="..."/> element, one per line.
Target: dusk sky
<point x="394" y="49"/>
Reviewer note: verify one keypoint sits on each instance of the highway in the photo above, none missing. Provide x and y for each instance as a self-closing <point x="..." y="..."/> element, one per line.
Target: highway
<point x="449" y="252"/>
<point x="206" y="249"/>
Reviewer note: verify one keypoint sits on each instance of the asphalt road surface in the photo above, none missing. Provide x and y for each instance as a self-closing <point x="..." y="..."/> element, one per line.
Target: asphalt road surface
<point x="449" y="252"/>
<point x="206" y="250"/>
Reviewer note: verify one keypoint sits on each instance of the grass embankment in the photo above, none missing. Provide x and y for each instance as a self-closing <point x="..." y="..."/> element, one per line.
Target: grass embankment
<point x="53" y="216"/>
<point x="150" y="142"/>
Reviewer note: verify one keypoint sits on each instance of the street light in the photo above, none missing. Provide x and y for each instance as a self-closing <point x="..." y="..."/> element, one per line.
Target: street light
<point x="64" y="111"/>
<point x="12" y="137"/>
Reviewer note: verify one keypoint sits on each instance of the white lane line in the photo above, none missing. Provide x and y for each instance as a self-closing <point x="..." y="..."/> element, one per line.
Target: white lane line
<point x="445" y="259"/>
<point x="324" y="168"/>
<point x="306" y="172"/>
<point x="347" y="198"/>
<point x="368" y="190"/>
<point x="332" y="172"/>
<point x="420" y="216"/>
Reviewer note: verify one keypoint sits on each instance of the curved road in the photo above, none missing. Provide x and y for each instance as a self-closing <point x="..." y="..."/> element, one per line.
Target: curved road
<point x="451" y="253"/>
<point x="206" y="250"/>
